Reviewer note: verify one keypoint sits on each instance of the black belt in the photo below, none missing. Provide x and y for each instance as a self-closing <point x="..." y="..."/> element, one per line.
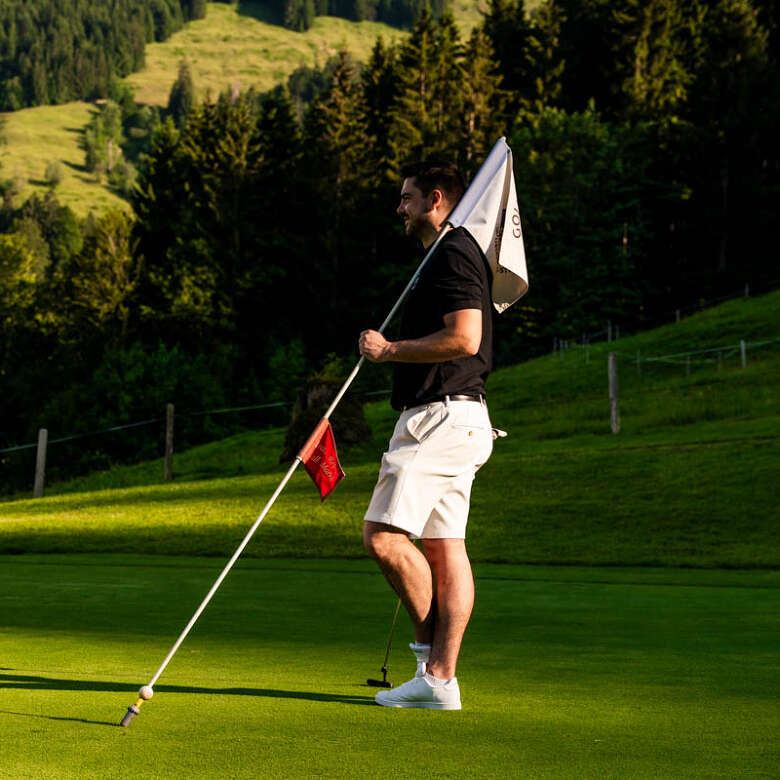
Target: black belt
<point x="480" y="399"/>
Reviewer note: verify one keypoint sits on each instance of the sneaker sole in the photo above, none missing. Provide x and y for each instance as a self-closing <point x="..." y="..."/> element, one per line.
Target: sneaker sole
<point x="420" y="705"/>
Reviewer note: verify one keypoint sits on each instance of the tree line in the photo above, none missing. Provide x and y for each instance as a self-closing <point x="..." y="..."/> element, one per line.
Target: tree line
<point x="300" y="14"/>
<point x="264" y="234"/>
<point x="53" y="51"/>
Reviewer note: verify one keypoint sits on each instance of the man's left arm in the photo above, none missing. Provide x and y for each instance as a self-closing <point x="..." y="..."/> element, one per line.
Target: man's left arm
<point x="460" y="337"/>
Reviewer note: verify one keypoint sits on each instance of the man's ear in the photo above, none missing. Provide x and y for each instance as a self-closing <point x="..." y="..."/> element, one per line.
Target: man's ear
<point x="437" y="197"/>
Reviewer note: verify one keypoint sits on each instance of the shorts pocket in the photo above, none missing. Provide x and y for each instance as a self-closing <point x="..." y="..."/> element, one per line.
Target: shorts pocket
<point x="419" y="426"/>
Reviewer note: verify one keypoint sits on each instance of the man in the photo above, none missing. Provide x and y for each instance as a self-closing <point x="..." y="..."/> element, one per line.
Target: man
<point x="443" y="357"/>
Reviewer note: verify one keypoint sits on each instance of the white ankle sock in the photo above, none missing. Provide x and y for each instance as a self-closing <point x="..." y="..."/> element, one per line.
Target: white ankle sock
<point x="435" y="682"/>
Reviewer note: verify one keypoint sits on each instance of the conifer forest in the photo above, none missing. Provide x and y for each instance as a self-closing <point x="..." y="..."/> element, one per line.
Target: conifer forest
<point x="261" y="236"/>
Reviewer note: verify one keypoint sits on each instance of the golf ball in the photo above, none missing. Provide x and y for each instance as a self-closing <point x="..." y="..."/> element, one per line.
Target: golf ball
<point x="146" y="692"/>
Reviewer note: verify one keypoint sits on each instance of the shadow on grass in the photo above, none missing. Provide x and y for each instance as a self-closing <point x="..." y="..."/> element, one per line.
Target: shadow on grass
<point x="37" y="683"/>
<point x="56" y="717"/>
<point x="75" y="166"/>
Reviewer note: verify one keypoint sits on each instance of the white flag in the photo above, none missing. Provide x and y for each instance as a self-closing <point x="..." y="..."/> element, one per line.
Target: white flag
<point x="488" y="210"/>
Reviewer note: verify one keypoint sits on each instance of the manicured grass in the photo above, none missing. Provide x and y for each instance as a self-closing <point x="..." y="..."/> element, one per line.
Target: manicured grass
<point x="564" y="673"/>
<point x="35" y="137"/>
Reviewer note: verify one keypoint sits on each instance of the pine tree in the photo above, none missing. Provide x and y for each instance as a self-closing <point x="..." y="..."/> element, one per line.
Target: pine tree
<point x="484" y="117"/>
<point x="447" y="86"/>
<point x="380" y="91"/>
<point x="544" y="64"/>
<point x="654" y="51"/>
<point x="339" y="181"/>
<point x="507" y="26"/>
<point x="585" y="48"/>
<point x="414" y="118"/>
<point x="182" y="96"/>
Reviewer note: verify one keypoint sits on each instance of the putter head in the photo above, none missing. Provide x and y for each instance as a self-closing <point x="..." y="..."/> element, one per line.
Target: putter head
<point x="379" y="683"/>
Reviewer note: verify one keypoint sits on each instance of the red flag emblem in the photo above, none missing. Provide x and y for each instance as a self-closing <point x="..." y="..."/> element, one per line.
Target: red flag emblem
<point x="321" y="460"/>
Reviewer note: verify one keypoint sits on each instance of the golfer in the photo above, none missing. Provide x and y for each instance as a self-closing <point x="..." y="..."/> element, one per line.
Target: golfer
<point x="443" y="357"/>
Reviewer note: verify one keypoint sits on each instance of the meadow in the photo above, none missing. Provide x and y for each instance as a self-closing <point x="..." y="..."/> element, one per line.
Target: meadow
<point x="240" y="44"/>
<point x="34" y="138"/>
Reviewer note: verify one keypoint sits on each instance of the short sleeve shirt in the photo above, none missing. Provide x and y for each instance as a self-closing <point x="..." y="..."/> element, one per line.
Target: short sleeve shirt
<point x="456" y="277"/>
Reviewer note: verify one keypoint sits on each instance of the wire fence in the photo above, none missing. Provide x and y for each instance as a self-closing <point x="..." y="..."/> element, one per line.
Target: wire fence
<point x="688" y="359"/>
<point x="41" y="446"/>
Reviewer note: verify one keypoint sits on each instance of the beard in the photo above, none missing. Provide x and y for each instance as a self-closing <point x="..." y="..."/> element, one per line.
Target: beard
<point x="415" y="227"/>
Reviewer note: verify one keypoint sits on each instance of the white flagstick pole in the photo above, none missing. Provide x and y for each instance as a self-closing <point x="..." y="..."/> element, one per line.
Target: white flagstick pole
<point x="146" y="692"/>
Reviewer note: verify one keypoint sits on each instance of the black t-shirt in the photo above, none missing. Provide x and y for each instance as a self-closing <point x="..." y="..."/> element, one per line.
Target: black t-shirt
<point x="456" y="277"/>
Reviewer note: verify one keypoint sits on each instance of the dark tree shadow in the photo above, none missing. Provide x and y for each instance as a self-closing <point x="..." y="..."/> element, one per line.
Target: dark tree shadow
<point x="261" y="11"/>
<point x="75" y="166"/>
<point x="33" y="683"/>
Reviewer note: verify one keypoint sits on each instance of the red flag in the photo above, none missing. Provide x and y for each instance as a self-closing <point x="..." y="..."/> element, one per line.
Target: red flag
<point x="321" y="460"/>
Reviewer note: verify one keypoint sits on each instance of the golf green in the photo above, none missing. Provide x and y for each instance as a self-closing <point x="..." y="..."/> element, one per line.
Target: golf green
<point x="565" y="673"/>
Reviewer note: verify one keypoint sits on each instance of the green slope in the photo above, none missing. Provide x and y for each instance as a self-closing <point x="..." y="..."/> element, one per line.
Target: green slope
<point x="228" y="48"/>
<point x="35" y="137"/>
<point x="690" y="481"/>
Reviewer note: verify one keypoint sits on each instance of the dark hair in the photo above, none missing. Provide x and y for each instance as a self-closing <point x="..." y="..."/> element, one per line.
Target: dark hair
<point x="436" y="175"/>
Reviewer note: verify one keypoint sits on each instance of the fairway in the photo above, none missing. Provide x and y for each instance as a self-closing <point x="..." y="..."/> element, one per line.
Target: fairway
<point x="565" y="672"/>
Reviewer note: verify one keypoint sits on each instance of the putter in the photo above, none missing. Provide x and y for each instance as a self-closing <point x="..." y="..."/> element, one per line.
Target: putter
<point x="383" y="683"/>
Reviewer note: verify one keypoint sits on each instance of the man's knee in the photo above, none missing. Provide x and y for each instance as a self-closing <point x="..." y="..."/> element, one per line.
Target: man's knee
<point x="446" y="554"/>
<point x="382" y="541"/>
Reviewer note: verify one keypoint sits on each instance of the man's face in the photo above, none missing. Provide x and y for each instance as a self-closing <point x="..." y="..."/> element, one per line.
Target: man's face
<point x="415" y="209"/>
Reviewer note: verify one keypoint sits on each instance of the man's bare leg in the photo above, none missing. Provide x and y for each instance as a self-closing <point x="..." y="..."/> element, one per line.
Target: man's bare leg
<point x="454" y="587"/>
<point x="408" y="572"/>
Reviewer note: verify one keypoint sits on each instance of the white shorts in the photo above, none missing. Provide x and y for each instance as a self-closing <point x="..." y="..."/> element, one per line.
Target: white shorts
<point x="424" y="484"/>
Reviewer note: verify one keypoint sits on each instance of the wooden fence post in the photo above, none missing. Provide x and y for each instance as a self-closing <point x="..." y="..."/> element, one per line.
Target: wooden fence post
<point x="168" y="473"/>
<point x="40" y="463"/>
<point x="676" y="315"/>
<point x="614" y="411"/>
<point x="743" y="351"/>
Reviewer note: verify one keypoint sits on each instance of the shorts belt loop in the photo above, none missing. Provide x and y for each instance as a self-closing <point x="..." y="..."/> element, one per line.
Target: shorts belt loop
<point x="446" y="400"/>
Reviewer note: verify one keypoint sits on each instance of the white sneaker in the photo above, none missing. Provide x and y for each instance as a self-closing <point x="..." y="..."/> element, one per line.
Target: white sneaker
<point x="426" y="692"/>
<point x="421" y="652"/>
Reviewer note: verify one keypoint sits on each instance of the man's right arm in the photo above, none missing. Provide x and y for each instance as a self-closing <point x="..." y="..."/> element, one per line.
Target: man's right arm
<point x="460" y="337"/>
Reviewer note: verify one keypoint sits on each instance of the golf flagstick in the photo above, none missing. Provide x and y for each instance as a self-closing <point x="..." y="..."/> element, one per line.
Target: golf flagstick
<point x="147" y="691"/>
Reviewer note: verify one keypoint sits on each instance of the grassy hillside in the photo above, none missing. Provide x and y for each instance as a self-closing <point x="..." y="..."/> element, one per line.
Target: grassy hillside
<point x="35" y="137"/>
<point x="224" y="48"/>
<point x="229" y="47"/>
<point x="690" y="480"/>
